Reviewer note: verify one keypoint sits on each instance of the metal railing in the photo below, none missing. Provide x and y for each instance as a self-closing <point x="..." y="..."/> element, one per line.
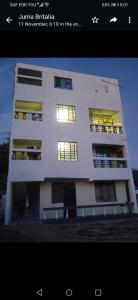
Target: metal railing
<point x="26" y="155"/>
<point x="28" y="116"/>
<point x="85" y="211"/>
<point x="100" y="163"/>
<point x="106" y="128"/>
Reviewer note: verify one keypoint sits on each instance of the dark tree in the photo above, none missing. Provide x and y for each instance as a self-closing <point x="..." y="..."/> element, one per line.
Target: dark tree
<point x="135" y="177"/>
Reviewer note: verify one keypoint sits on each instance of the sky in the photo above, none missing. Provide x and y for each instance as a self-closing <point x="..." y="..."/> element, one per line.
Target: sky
<point x="123" y="69"/>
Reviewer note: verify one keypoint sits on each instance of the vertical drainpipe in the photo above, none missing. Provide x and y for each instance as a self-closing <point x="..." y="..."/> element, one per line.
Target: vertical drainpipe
<point x="129" y="205"/>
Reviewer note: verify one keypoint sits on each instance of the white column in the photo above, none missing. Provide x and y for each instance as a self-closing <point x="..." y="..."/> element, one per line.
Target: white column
<point x="133" y="194"/>
<point x="56" y="214"/>
<point x="104" y="211"/>
<point x="44" y="215"/>
<point x="114" y="210"/>
<point x="125" y="211"/>
<point x="67" y="213"/>
<point x="93" y="211"/>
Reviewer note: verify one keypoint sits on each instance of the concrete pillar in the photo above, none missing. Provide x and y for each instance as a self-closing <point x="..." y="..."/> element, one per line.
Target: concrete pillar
<point x="132" y="194"/>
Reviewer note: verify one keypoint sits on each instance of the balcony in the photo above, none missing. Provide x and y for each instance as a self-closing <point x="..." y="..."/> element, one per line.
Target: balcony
<point x="109" y="156"/>
<point x="26" y="149"/>
<point x="28" y="110"/>
<point x="105" y="121"/>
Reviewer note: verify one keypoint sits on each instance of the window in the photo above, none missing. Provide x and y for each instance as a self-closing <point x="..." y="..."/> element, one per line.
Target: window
<point x="66" y="113"/>
<point x="57" y="192"/>
<point x="101" y="163"/>
<point x="29" y="72"/>
<point x="63" y="83"/>
<point x="67" y="151"/>
<point x="101" y="119"/>
<point x="105" y="192"/>
<point x="101" y="152"/>
<point x="31" y="81"/>
<point x="108" y="119"/>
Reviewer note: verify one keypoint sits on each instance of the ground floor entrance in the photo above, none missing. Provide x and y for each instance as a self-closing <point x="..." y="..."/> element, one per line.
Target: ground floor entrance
<point x="65" y="193"/>
<point x="70" y="198"/>
<point x="25" y="200"/>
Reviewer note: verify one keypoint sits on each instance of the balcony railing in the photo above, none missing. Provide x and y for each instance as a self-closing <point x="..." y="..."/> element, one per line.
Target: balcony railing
<point x="106" y="128"/>
<point x="26" y="155"/>
<point x="100" y="163"/>
<point x="28" y="116"/>
<point x="85" y="211"/>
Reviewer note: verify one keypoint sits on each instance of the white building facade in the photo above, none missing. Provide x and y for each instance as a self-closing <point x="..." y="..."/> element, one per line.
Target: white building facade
<point x="68" y="148"/>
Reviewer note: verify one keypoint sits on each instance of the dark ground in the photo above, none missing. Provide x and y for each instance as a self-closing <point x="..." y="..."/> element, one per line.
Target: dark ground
<point x="111" y="230"/>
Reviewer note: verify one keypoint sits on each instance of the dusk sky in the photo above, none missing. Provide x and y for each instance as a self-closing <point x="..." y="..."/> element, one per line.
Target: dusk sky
<point x="123" y="69"/>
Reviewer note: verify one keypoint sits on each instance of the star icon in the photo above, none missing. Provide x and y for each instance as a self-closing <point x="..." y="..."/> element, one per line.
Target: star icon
<point x="95" y="20"/>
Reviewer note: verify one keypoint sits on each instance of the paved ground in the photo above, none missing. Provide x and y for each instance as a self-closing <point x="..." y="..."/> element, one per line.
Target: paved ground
<point x="116" y="230"/>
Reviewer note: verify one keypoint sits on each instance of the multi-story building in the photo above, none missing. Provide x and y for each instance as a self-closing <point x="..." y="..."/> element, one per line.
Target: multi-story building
<point x="68" y="147"/>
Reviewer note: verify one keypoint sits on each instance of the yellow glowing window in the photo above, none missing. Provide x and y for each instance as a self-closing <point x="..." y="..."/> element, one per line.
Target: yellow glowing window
<point x="67" y="151"/>
<point x="27" y="144"/>
<point x="66" y="113"/>
<point x="101" y="119"/>
<point x="28" y="105"/>
<point x="98" y="119"/>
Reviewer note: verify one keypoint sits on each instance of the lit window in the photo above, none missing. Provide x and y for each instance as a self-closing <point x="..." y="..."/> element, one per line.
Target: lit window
<point x="63" y="83"/>
<point x="103" y="119"/>
<point x="67" y="151"/>
<point x="66" y="113"/>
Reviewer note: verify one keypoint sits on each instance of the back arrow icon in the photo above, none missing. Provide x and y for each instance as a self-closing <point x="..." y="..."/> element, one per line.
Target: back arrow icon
<point x="9" y="20"/>
<point x="40" y="292"/>
<point x="113" y="20"/>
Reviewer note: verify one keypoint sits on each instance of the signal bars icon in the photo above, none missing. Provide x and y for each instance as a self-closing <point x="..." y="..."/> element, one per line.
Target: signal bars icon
<point x="46" y="4"/>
